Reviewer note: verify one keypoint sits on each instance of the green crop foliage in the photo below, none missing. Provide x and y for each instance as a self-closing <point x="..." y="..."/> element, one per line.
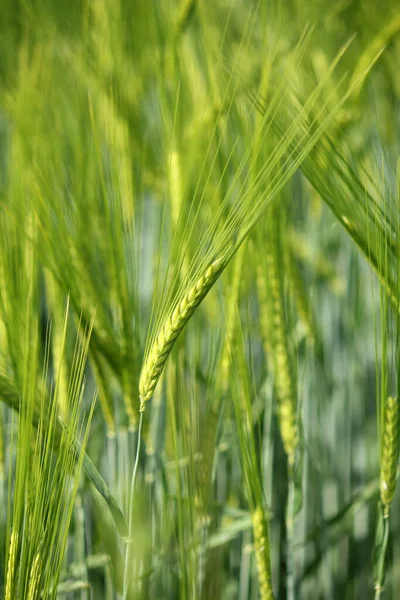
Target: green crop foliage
<point x="199" y="299"/>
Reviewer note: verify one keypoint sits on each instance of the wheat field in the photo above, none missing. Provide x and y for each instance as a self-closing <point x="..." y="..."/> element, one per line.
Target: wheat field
<point x="199" y="300"/>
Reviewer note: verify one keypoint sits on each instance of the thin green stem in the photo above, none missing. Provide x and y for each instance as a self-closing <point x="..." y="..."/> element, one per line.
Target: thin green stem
<point x="128" y="551"/>
<point x="290" y="517"/>
<point x="380" y="566"/>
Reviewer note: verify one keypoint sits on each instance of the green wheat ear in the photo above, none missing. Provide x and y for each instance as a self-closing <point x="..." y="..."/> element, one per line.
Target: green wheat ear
<point x="12" y="565"/>
<point x="262" y="553"/>
<point x="390" y="451"/>
<point x="282" y="360"/>
<point x="183" y="311"/>
<point x="389" y="458"/>
<point x="33" y="591"/>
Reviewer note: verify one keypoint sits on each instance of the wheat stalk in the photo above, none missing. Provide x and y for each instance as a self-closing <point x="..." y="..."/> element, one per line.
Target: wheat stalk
<point x="261" y="547"/>
<point x="390" y="451"/>
<point x="159" y="351"/>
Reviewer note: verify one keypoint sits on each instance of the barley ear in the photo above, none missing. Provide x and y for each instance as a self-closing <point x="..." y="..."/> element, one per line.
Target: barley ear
<point x="34" y="581"/>
<point x="282" y="359"/>
<point x="12" y="565"/>
<point x="184" y="309"/>
<point x="389" y="451"/>
<point x="262" y="553"/>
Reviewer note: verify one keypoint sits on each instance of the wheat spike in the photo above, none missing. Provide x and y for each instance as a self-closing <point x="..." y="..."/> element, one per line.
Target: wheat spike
<point x="390" y="451"/>
<point x="261" y="547"/>
<point x="282" y="361"/>
<point x="33" y="591"/>
<point x="12" y="565"/>
<point x="154" y="364"/>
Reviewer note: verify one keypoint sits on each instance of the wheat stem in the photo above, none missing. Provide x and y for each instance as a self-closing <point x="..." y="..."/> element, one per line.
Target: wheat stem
<point x="380" y="549"/>
<point x="128" y="549"/>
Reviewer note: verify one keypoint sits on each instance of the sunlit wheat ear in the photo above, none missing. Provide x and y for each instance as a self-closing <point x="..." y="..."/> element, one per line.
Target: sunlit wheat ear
<point x="262" y="553"/>
<point x="390" y="451"/>
<point x="12" y="565"/>
<point x="184" y="309"/>
<point x="33" y="591"/>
